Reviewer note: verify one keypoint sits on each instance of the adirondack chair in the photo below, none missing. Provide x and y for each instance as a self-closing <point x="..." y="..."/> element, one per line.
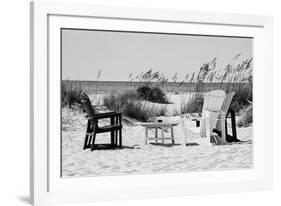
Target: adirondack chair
<point x="211" y="112"/>
<point x="229" y="114"/>
<point x="93" y="127"/>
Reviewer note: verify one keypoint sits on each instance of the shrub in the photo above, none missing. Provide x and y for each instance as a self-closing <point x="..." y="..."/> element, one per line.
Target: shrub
<point x="246" y="117"/>
<point x="143" y="91"/>
<point x="111" y="102"/>
<point x="130" y="105"/>
<point x="117" y="102"/>
<point x="242" y="98"/>
<point x="153" y="94"/>
<point x="137" y="111"/>
<point x="70" y="95"/>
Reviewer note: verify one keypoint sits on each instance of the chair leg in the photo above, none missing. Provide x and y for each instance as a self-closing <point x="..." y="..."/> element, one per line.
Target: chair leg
<point x="86" y="141"/>
<point x="223" y="133"/>
<point x="156" y="134"/>
<point x="112" y="138"/>
<point x="115" y="138"/>
<point x="90" y="141"/>
<point x="112" y="133"/>
<point x="172" y="135"/>
<point x="162" y="135"/>
<point x="226" y="131"/>
<point x="93" y="142"/>
<point x="87" y="135"/>
<point x="120" y="138"/>
<point x="146" y="135"/>
<point x="233" y="125"/>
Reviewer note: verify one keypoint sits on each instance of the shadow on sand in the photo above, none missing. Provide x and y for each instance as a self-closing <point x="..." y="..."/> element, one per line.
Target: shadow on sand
<point x="110" y="147"/>
<point x="192" y="144"/>
<point x="236" y="142"/>
<point x="164" y="145"/>
<point x="242" y="142"/>
<point x="230" y="143"/>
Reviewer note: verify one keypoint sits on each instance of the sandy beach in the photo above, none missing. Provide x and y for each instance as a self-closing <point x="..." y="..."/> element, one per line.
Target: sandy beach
<point x="136" y="157"/>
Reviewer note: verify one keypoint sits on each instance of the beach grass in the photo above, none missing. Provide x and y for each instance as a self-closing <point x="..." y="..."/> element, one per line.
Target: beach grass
<point x="132" y="102"/>
<point x="131" y="105"/>
<point x="70" y="95"/>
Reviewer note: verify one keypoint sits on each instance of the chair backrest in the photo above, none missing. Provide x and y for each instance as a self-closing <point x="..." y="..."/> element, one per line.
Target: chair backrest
<point x="227" y="101"/>
<point x="213" y="101"/>
<point x="225" y="106"/>
<point x="87" y="106"/>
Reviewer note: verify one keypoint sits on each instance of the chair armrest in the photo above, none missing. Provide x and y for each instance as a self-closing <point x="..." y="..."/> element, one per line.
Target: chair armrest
<point x="220" y="114"/>
<point x="105" y="115"/>
<point x="210" y="113"/>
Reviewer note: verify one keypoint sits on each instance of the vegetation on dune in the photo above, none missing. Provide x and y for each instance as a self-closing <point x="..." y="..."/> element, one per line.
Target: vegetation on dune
<point x="147" y="90"/>
<point x="70" y="95"/>
<point x="194" y="104"/>
<point x="236" y="78"/>
<point x="131" y="105"/>
<point x="246" y="117"/>
<point x="153" y="94"/>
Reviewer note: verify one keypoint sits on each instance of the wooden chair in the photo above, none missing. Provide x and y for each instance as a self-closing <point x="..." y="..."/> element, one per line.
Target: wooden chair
<point x="211" y="112"/>
<point x="93" y="127"/>
<point x="228" y="114"/>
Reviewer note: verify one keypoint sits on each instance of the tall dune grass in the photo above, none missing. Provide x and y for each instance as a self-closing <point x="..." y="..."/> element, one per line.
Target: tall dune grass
<point x="238" y="79"/>
<point x="70" y="94"/>
<point x="230" y="78"/>
<point x="246" y="117"/>
<point x="131" y="105"/>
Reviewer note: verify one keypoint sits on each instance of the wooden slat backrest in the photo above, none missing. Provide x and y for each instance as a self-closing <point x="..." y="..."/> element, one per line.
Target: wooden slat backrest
<point x="87" y="106"/>
<point x="227" y="102"/>
<point x="225" y="106"/>
<point x="213" y="101"/>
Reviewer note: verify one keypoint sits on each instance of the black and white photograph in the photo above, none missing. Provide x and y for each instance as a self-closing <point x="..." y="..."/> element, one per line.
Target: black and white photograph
<point x="149" y="103"/>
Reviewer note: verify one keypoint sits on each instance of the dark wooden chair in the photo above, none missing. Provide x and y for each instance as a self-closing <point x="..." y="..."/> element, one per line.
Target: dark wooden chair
<point x="93" y="128"/>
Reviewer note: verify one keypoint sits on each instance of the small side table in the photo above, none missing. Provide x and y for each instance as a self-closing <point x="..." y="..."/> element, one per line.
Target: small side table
<point x="161" y="126"/>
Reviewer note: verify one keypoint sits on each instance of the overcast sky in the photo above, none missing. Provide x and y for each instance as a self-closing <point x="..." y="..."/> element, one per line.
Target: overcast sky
<point x="117" y="54"/>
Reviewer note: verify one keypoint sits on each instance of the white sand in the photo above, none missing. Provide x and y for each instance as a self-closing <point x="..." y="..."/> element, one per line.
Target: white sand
<point x="137" y="158"/>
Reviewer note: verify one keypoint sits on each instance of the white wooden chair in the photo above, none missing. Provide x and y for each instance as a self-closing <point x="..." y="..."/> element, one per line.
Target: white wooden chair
<point x="211" y="112"/>
<point x="225" y="108"/>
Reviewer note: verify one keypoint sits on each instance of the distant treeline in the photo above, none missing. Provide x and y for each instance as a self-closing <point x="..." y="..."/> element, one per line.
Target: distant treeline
<point x="108" y="87"/>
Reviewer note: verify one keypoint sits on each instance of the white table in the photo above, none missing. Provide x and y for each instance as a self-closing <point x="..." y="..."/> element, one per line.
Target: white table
<point x="162" y="127"/>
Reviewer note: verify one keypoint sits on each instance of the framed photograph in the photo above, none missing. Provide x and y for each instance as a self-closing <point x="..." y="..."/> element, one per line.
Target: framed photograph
<point x="139" y="103"/>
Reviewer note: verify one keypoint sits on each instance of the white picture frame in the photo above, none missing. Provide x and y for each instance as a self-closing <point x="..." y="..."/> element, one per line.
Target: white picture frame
<point x="47" y="186"/>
